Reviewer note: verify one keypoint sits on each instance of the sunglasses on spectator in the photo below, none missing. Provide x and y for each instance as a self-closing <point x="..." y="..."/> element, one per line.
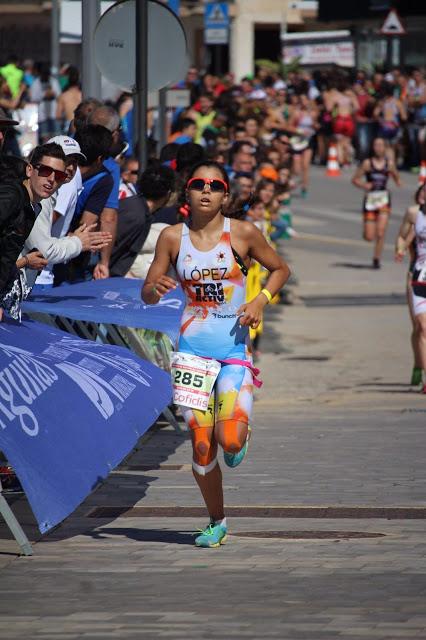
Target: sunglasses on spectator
<point x="44" y="171"/>
<point x="216" y="185"/>
<point x="134" y="172"/>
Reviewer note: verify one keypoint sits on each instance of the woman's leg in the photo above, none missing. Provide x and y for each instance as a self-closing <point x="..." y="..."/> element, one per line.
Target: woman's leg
<point x="306" y="164"/>
<point x="421" y="329"/>
<point x="369" y="228"/>
<point x="205" y="468"/>
<point x="381" y="226"/>
<point x="297" y="165"/>
<point x="235" y="402"/>
<point x="208" y="479"/>
<point x="414" y="333"/>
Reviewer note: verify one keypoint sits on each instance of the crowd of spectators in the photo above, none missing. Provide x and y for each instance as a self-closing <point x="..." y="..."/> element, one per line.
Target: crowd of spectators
<point x="100" y="218"/>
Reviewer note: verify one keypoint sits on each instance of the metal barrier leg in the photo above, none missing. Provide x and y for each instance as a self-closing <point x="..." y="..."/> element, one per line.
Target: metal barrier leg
<point x="15" y="527"/>
<point x="168" y="414"/>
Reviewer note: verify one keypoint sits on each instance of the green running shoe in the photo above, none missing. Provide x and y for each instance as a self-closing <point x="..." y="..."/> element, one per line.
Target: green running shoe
<point x="416" y="377"/>
<point x="212" y="536"/>
<point x="234" y="459"/>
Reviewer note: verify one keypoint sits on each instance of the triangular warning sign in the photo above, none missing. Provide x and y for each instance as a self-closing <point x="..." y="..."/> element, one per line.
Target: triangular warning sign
<point x="392" y="25"/>
<point x="217" y="14"/>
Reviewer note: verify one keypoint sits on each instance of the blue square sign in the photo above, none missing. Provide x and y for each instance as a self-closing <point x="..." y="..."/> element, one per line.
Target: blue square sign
<point x="216" y="23"/>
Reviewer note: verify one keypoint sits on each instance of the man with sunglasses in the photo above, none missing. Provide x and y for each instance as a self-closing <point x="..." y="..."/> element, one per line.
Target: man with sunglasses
<point x="129" y="178"/>
<point x="49" y="233"/>
<point x="20" y="205"/>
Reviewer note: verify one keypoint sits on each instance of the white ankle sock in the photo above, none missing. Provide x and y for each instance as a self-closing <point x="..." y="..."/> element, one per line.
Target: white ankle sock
<point x="221" y="522"/>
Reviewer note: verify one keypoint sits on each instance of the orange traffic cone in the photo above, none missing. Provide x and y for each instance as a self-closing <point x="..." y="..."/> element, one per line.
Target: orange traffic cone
<point x="422" y="174"/>
<point x="333" y="169"/>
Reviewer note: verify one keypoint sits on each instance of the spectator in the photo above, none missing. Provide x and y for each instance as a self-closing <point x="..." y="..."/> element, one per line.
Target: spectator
<point x="22" y="187"/>
<point x="53" y="222"/>
<point x="95" y="142"/>
<point x="138" y="228"/>
<point x="108" y="118"/>
<point x="13" y="75"/>
<point x="44" y="91"/>
<point x="69" y="100"/>
<point x="129" y="177"/>
<point x="186" y="131"/>
<point x="204" y="116"/>
<point x="6" y="125"/>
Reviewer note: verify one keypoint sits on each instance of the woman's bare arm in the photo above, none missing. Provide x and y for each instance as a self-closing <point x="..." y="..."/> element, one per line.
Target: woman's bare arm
<point x="406" y="233"/>
<point x="157" y="283"/>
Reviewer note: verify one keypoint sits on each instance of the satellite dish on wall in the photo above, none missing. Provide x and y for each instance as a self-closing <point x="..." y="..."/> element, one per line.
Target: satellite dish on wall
<point x="115" y="46"/>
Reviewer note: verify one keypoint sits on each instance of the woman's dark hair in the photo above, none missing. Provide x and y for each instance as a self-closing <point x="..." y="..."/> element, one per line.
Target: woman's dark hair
<point x="169" y="152"/>
<point x="372" y="145"/>
<point x="73" y="76"/>
<point x="418" y="192"/>
<point x="12" y="169"/>
<point x="50" y="149"/>
<point x="188" y="155"/>
<point x="182" y="124"/>
<point x="156" y="182"/>
<point x="254" y="201"/>
<point x="94" y="140"/>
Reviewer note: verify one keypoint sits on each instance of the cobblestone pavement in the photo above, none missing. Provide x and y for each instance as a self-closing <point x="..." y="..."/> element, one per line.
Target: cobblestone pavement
<point x="336" y="425"/>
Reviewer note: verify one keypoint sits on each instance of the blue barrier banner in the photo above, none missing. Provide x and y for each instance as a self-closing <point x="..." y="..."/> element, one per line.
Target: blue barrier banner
<point x="112" y="301"/>
<point x="70" y="411"/>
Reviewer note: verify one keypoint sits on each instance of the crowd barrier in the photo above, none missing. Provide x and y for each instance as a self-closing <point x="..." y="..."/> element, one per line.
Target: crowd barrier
<point x="73" y="405"/>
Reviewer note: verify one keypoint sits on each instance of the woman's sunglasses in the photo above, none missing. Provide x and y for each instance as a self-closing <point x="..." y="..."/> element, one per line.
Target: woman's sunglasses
<point x="216" y="185"/>
<point x="45" y="171"/>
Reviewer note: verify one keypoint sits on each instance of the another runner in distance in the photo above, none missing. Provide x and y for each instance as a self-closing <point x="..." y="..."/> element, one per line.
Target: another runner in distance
<point x="372" y="176"/>
<point x="412" y="237"/>
<point x="211" y="254"/>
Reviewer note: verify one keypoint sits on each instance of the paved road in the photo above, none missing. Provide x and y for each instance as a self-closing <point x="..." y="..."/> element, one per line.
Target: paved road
<point x="327" y="514"/>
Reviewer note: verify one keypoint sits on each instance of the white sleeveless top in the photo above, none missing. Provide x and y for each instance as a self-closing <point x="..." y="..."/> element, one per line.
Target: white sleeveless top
<point x="420" y="229"/>
<point x="215" y="287"/>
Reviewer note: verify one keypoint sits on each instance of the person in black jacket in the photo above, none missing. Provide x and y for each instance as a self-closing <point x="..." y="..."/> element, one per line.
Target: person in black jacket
<point x="136" y="214"/>
<point x="22" y="186"/>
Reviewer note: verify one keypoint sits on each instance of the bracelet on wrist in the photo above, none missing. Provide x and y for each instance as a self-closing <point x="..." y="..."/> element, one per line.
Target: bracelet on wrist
<point x="267" y="294"/>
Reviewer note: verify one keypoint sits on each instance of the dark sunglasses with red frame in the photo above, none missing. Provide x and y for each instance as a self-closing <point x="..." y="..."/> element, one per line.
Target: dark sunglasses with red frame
<point x="216" y="185"/>
<point x="44" y="171"/>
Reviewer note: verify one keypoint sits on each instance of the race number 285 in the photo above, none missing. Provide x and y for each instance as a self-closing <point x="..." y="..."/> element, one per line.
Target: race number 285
<point x="188" y="379"/>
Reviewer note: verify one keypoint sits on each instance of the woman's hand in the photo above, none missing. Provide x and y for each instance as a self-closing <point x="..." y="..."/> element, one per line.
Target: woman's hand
<point x="251" y="312"/>
<point x="163" y="285"/>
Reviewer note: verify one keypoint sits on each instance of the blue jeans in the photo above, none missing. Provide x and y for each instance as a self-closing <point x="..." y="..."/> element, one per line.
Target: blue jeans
<point x="364" y="134"/>
<point x="414" y="150"/>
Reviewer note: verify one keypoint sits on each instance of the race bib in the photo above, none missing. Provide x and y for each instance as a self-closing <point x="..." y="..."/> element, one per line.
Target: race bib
<point x="377" y="200"/>
<point x="193" y="379"/>
<point x="422" y="275"/>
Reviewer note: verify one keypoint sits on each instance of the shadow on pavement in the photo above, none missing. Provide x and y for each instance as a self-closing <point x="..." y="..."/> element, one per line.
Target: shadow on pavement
<point x="352" y="265"/>
<point x="145" y="535"/>
<point x="120" y="488"/>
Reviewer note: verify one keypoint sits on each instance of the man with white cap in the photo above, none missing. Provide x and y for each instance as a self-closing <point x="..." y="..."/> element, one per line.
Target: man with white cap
<point x="49" y="234"/>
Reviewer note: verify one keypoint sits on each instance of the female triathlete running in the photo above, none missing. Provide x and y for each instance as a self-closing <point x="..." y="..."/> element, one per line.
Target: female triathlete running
<point x="412" y="237"/>
<point x="211" y="254"/>
<point x="372" y="176"/>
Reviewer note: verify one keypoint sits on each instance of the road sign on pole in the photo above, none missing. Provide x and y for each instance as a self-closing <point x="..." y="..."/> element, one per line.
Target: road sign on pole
<point x="392" y="25"/>
<point x="216" y="23"/>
